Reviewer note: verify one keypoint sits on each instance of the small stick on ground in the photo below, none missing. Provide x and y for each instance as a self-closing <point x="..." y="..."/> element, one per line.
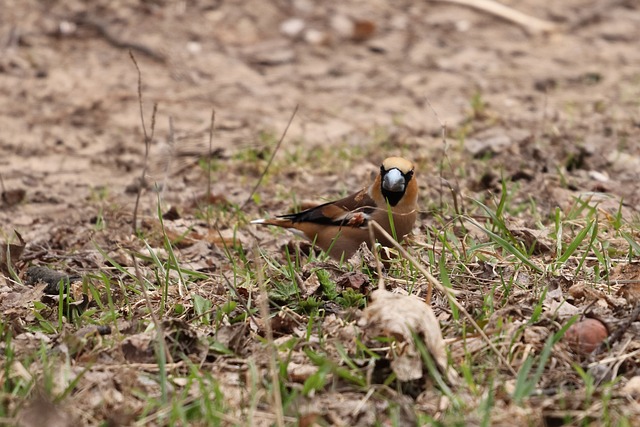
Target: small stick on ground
<point x="448" y="292"/>
<point x="529" y="23"/>
<point x="255" y="188"/>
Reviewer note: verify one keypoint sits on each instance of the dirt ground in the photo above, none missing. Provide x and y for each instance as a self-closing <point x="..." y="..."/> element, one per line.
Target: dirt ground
<point x="556" y="111"/>
<point x="70" y="116"/>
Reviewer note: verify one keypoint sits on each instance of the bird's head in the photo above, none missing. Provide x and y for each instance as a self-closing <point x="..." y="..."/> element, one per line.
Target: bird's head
<point x="395" y="175"/>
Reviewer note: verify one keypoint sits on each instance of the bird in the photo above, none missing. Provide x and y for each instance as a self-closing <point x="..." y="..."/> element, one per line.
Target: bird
<point x="340" y="226"/>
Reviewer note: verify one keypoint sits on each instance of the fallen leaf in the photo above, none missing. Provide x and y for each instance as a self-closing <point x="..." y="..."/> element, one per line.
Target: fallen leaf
<point x="363" y="257"/>
<point x="629" y="276"/>
<point x="285" y="322"/>
<point x="139" y="348"/>
<point x="172" y="214"/>
<point x="21" y="297"/>
<point x="204" y="200"/>
<point x="353" y="280"/>
<point x="632" y="387"/>
<point x="300" y="372"/>
<point x="234" y="337"/>
<point x="10" y="253"/>
<point x="363" y="29"/>
<point x="13" y="197"/>
<point x="309" y="286"/>
<point x="270" y="53"/>
<point x="535" y="239"/>
<point x="400" y="316"/>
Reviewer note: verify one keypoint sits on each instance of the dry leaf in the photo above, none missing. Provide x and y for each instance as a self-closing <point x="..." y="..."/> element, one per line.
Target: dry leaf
<point x="557" y="305"/>
<point x="10" y="253"/>
<point x="309" y="286"/>
<point x="21" y="297"/>
<point x="629" y="276"/>
<point x="363" y="29"/>
<point x="138" y="348"/>
<point x="363" y="258"/>
<point x="353" y="280"/>
<point x="299" y="373"/>
<point x="204" y="200"/>
<point x="632" y="387"/>
<point x="285" y="322"/>
<point x="172" y="214"/>
<point x="13" y="197"/>
<point x="536" y="239"/>
<point x="234" y="337"/>
<point x="400" y="316"/>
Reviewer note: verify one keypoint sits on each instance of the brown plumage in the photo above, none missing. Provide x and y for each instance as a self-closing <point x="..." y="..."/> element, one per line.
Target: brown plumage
<point x="340" y="227"/>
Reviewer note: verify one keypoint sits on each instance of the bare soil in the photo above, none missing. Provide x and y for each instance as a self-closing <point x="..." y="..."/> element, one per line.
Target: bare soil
<point x="557" y="112"/>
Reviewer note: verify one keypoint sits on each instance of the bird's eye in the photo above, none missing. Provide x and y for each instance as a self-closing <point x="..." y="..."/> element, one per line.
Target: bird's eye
<point x="382" y="171"/>
<point x="408" y="175"/>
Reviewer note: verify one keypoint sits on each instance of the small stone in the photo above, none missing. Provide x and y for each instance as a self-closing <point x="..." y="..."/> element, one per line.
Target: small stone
<point x="292" y="27"/>
<point x="586" y="335"/>
<point x="315" y="37"/>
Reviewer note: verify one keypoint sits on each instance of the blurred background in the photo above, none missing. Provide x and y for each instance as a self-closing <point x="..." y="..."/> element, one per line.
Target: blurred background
<point x="557" y="90"/>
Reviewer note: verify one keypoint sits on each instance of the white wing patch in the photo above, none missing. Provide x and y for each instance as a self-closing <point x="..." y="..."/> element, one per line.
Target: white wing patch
<point x="353" y="219"/>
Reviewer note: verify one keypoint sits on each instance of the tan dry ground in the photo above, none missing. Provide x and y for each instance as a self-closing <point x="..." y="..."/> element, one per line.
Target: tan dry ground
<point x="557" y="112"/>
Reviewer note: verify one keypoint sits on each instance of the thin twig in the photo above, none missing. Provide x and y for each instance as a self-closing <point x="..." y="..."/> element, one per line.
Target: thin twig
<point x="255" y="188"/>
<point x="448" y="292"/>
<point x="529" y="23"/>
<point x="147" y="142"/>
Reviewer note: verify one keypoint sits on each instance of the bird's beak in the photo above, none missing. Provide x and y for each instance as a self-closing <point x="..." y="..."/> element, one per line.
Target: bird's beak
<point x="393" y="181"/>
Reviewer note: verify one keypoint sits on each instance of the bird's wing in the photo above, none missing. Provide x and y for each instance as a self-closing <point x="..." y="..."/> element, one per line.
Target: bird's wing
<point x="352" y="211"/>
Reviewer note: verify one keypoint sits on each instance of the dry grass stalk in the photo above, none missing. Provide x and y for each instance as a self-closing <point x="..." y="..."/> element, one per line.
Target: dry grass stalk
<point x="530" y="24"/>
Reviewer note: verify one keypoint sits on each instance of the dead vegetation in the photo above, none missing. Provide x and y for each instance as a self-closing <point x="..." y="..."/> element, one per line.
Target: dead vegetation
<point x="516" y="299"/>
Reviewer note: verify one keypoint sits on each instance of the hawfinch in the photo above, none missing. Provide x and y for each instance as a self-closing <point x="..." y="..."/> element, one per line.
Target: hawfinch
<point x="340" y="227"/>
